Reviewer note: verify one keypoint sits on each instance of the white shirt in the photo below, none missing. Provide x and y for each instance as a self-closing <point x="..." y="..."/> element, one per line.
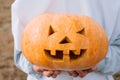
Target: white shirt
<point x="105" y="12"/>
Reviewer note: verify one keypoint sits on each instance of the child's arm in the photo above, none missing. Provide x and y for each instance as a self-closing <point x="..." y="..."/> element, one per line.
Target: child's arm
<point x="111" y="63"/>
<point x="21" y="62"/>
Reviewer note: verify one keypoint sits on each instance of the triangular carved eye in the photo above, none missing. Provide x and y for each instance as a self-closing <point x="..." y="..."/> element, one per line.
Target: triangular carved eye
<point x="82" y="31"/>
<point x="51" y="31"/>
<point x="65" y="40"/>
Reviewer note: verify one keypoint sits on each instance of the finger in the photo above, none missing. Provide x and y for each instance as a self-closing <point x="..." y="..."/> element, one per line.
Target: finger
<point x="54" y="75"/>
<point x="37" y="69"/>
<point x="74" y="73"/>
<point x="82" y="73"/>
<point x="92" y="69"/>
<point x="48" y="73"/>
<point x="69" y="73"/>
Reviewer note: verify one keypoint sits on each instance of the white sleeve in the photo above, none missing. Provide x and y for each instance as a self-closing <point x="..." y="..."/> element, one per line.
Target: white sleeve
<point x="111" y="63"/>
<point x="24" y="65"/>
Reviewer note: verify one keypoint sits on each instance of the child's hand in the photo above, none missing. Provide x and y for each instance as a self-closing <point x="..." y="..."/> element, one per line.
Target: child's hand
<point x="48" y="73"/>
<point x="82" y="73"/>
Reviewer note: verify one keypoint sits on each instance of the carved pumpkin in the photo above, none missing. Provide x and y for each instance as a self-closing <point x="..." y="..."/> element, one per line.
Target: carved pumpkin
<point x="64" y="41"/>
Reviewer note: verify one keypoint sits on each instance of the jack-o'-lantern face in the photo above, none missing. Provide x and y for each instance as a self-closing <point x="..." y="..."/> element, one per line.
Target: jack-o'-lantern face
<point x="64" y="41"/>
<point x="67" y="46"/>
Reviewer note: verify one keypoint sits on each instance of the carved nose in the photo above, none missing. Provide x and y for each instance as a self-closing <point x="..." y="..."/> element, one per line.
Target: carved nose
<point x="65" y="40"/>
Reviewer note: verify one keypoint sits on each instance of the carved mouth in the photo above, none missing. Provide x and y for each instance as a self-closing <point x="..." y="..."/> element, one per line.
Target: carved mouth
<point x="59" y="54"/>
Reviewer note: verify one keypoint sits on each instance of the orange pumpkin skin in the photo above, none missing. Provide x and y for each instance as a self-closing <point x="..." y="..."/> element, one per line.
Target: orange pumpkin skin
<point x="64" y="41"/>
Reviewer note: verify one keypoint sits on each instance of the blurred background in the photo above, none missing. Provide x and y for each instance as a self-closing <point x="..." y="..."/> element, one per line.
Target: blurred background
<point x="8" y="71"/>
